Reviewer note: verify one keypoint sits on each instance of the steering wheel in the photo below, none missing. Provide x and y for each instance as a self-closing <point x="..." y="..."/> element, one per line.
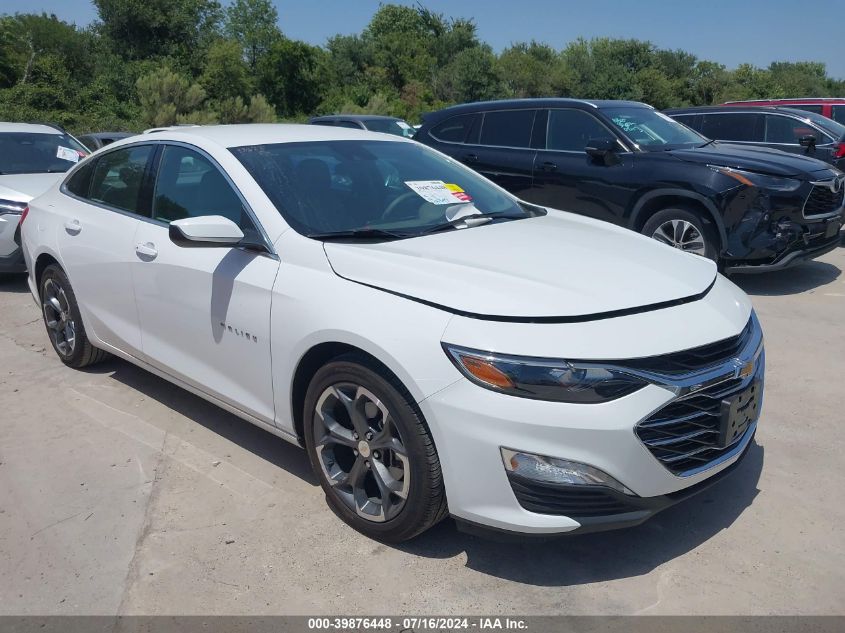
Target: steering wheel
<point x="393" y="206"/>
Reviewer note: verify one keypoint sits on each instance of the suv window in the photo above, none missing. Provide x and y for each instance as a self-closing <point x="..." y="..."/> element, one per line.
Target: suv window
<point x="454" y="129"/>
<point x="572" y="129"/>
<point x="733" y="127"/>
<point x="188" y="185"/>
<point x="809" y="108"/>
<point x="507" y="128"/>
<point x="118" y="177"/>
<point x="838" y="113"/>
<point x="783" y="129"/>
<point x="350" y="124"/>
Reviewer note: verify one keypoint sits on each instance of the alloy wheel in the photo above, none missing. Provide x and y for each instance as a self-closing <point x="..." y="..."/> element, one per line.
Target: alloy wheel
<point x="58" y="317"/>
<point x="682" y="235"/>
<point x="361" y="452"/>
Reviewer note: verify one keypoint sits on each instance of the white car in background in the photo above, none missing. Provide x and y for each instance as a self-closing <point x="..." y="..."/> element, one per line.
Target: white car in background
<point x="32" y="159"/>
<point x="437" y="346"/>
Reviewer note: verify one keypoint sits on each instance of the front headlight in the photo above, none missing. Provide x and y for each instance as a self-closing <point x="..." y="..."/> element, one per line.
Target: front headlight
<point x="753" y="179"/>
<point x="11" y="206"/>
<point x="542" y="379"/>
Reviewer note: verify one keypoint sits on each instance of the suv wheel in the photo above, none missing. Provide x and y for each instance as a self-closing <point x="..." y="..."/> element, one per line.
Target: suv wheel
<point x="372" y="452"/>
<point x="64" y="321"/>
<point x="684" y="230"/>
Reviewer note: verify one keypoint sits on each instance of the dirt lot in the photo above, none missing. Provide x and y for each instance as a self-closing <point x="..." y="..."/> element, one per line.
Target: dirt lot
<point x="120" y="493"/>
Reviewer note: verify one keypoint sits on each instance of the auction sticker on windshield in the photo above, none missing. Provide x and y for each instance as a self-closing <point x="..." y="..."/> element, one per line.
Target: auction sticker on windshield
<point x="66" y="153"/>
<point x="437" y="191"/>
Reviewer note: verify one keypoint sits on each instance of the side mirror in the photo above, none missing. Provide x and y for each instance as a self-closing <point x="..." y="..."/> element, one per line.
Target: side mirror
<point x="808" y="141"/>
<point x="205" y="231"/>
<point x="603" y="150"/>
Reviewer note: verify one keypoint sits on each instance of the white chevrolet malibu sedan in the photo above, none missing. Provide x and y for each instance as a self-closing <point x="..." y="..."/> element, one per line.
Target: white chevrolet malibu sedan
<point x="436" y="345"/>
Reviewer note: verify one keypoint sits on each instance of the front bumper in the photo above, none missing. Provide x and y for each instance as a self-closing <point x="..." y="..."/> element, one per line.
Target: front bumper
<point x="663" y="442"/>
<point x="800" y="252"/>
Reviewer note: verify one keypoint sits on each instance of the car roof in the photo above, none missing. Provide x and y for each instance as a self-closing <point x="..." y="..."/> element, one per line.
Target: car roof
<point x="32" y="128"/>
<point x="544" y="102"/>
<point x="261" y="134"/>
<point x="355" y="117"/>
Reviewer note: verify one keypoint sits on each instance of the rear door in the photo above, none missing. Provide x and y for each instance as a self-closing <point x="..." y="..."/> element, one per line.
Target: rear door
<point x="106" y="199"/>
<point x="502" y="149"/>
<point x="566" y="178"/>
<point x="205" y="312"/>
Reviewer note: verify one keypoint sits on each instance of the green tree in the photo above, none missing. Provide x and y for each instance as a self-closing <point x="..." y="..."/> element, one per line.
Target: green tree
<point x="181" y="29"/>
<point x="168" y="98"/>
<point x="226" y="74"/>
<point x="471" y="76"/>
<point x="253" y="24"/>
<point x="288" y="76"/>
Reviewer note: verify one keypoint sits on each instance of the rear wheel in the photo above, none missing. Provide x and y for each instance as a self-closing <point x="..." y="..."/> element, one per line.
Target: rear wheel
<point x="683" y="229"/>
<point x="372" y="452"/>
<point x="64" y="321"/>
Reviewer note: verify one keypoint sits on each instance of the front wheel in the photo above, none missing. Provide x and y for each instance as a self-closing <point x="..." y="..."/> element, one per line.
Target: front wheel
<point x="372" y="452"/>
<point x="684" y="230"/>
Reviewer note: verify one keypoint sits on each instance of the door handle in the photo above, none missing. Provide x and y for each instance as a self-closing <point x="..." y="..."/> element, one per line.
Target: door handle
<point x="146" y="251"/>
<point x="470" y="158"/>
<point x="548" y="166"/>
<point x="73" y="227"/>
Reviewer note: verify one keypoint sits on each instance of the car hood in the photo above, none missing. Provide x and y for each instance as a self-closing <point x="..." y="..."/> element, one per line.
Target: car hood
<point x="25" y="187"/>
<point x="759" y="159"/>
<point x="559" y="266"/>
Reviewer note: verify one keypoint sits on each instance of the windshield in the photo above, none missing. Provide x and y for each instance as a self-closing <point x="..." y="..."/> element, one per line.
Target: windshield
<point x="326" y="187"/>
<point x="397" y="127"/>
<point x="653" y="130"/>
<point x="28" y="153"/>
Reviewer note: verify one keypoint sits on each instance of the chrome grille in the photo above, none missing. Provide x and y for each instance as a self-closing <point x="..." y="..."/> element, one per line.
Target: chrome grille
<point x="684" y="435"/>
<point x="823" y="200"/>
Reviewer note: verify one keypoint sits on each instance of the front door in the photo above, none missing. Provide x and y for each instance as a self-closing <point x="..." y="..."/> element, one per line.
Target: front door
<point x="205" y="312"/>
<point x="566" y="178"/>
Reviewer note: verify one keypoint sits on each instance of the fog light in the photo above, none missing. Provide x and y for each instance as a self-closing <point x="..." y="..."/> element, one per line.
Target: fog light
<point x="558" y="471"/>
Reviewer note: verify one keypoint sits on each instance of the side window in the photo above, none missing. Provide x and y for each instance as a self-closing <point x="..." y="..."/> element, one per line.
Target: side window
<point x="786" y="130"/>
<point x="809" y="108"/>
<point x="454" y="129"/>
<point x="571" y="130"/>
<point x="188" y="185"/>
<point x="733" y="127"/>
<point x="507" y="128"/>
<point x="118" y="177"/>
<point x="354" y="125"/>
<point x="690" y="120"/>
<point x="79" y="183"/>
<point x="838" y="113"/>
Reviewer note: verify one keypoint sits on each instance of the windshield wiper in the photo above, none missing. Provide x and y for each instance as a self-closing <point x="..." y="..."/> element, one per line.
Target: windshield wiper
<point x="363" y="234"/>
<point x="476" y="219"/>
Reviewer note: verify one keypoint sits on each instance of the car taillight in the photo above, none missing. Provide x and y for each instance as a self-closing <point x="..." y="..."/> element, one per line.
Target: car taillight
<point x="840" y="150"/>
<point x="24" y="213"/>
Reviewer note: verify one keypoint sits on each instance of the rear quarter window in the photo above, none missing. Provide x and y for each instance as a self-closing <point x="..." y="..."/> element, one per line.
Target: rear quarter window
<point x="455" y="129"/>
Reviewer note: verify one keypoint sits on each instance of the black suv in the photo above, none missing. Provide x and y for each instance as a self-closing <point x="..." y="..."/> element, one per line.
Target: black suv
<point x="750" y="208"/>
<point x="787" y="129"/>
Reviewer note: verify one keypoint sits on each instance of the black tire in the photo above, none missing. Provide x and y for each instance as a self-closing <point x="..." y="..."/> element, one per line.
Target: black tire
<point x="425" y="501"/>
<point x="81" y="353"/>
<point x="704" y="228"/>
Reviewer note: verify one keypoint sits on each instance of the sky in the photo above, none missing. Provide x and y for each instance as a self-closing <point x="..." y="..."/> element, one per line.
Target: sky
<point x="727" y="31"/>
